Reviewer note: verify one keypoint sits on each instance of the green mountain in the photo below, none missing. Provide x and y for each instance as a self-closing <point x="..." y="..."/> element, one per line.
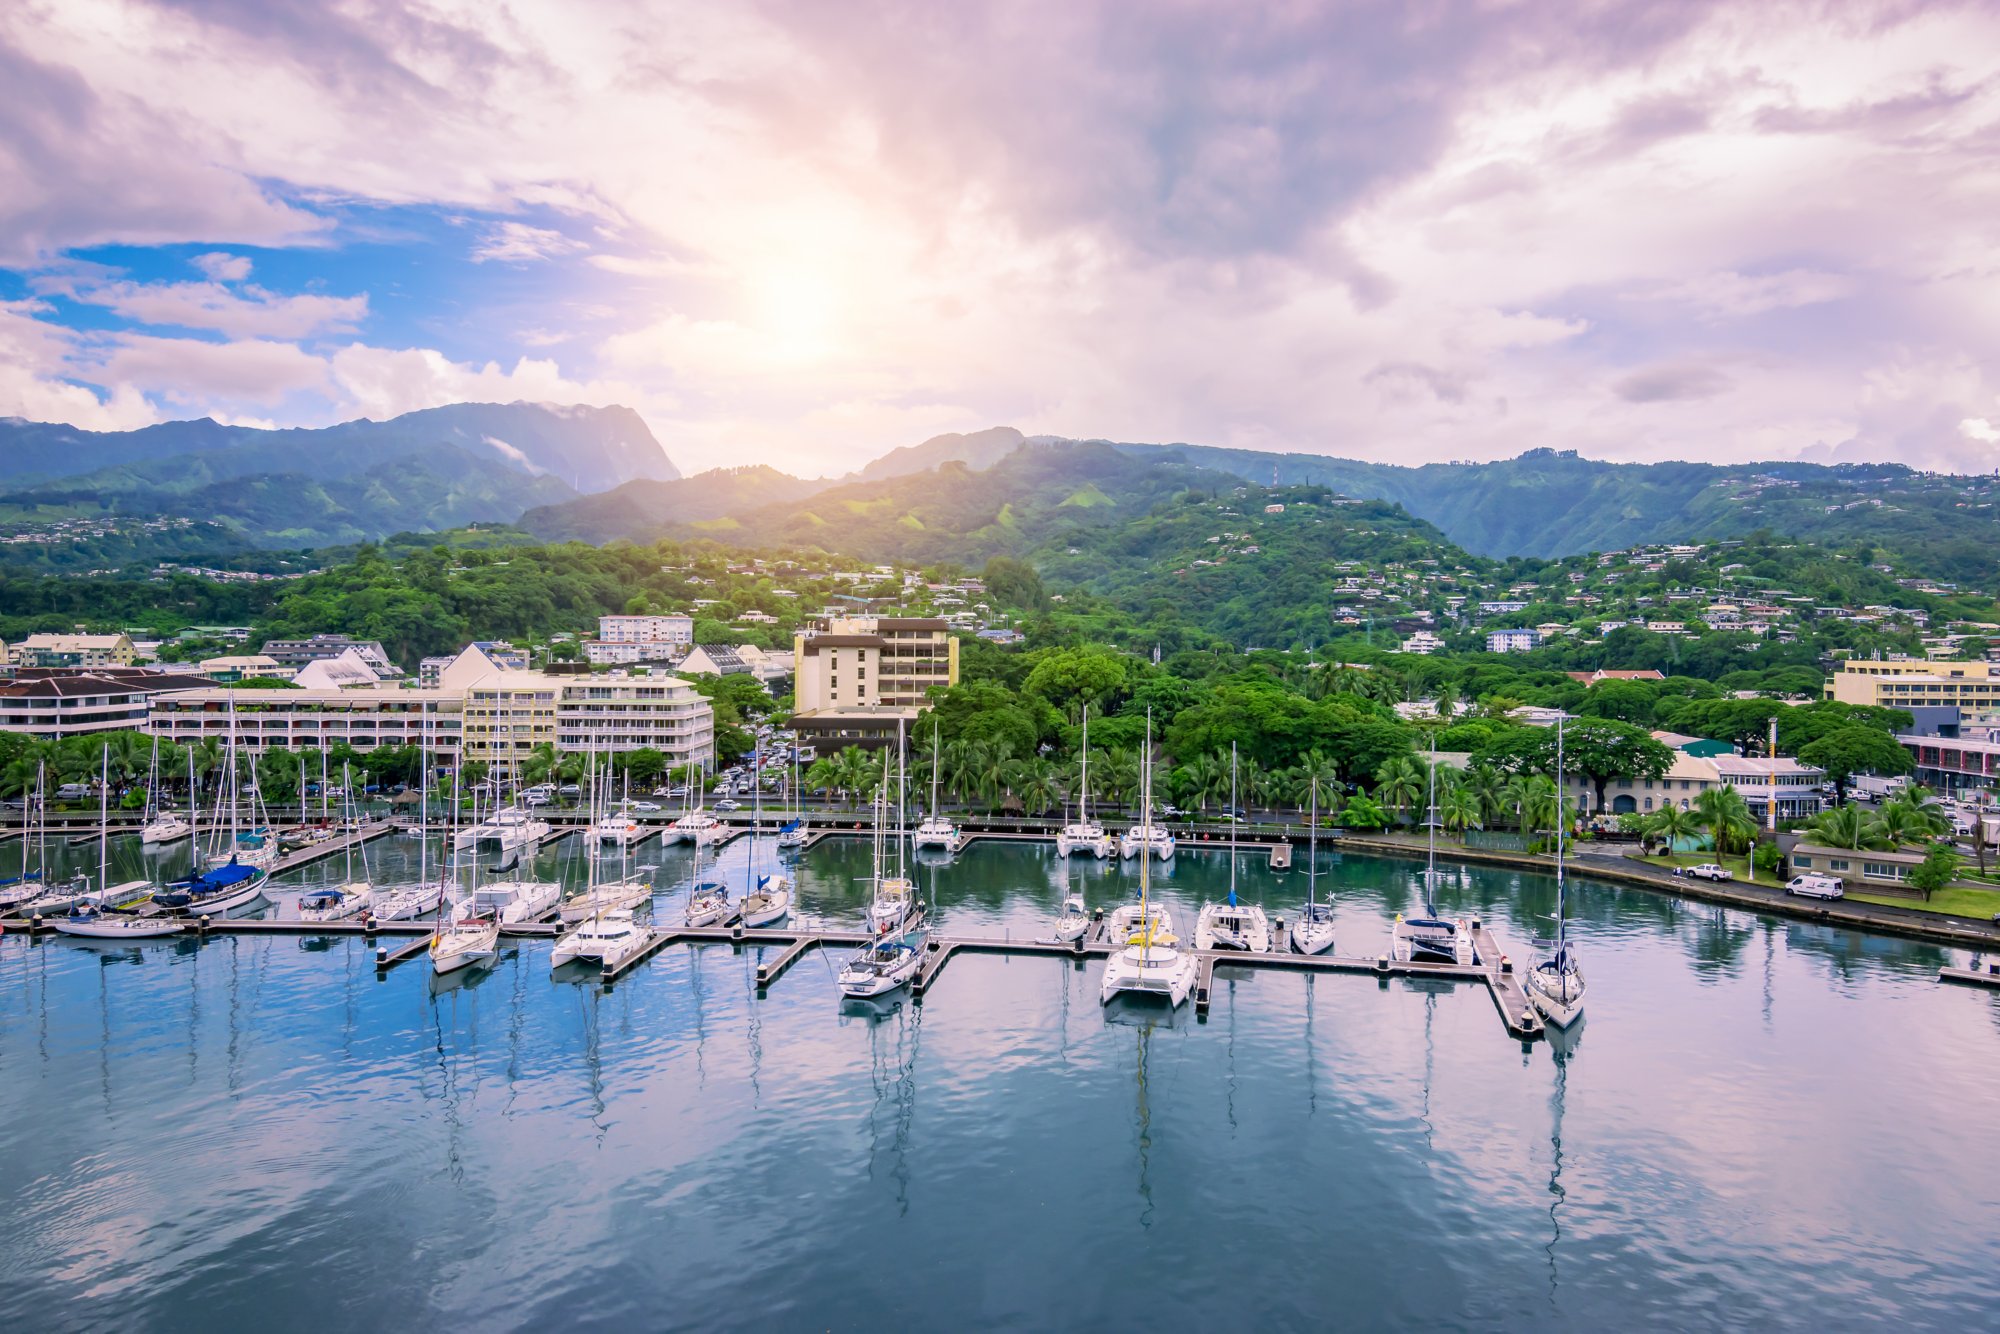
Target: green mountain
<point x="1547" y="503"/>
<point x="645" y="511"/>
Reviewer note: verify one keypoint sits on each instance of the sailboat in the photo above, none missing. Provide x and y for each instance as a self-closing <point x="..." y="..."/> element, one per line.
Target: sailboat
<point x="235" y="875"/>
<point x="1149" y="965"/>
<point x="163" y="826"/>
<point x="412" y="901"/>
<point x="32" y="894"/>
<point x="1313" y="933"/>
<point x="793" y="834"/>
<point x="617" y="824"/>
<point x="894" y="901"/>
<point x="890" y="960"/>
<point x="464" y="936"/>
<point x="697" y="826"/>
<point x="936" y="831"/>
<point x="1085" y="835"/>
<point x="90" y="918"/>
<point x="252" y="848"/>
<point x="625" y="892"/>
<point x="335" y="903"/>
<point x="1555" y="984"/>
<point x="1431" y="938"/>
<point x="708" y="900"/>
<point x="1146" y="837"/>
<point x="1232" y="925"/>
<point x="1074" y="919"/>
<point x="770" y="898"/>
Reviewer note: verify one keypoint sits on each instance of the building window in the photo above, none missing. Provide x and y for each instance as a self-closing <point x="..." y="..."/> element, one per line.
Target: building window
<point x="1836" y="864"/>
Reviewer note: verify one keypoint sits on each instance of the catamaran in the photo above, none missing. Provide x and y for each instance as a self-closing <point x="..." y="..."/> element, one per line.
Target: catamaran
<point x="697" y="826"/>
<point x="505" y="831"/>
<point x="1148" y="965"/>
<point x="608" y="935"/>
<point x="1145" y="837"/>
<point x="770" y="899"/>
<point x="1232" y="925"/>
<point x="1555" y="984"/>
<point x="617" y="825"/>
<point x="1313" y="934"/>
<point x="936" y="831"/>
<point x="1085" y="835"/>
<point x="88" y="917"/>
<point x="163" y="826"/>
<point x="1433" y="937"/>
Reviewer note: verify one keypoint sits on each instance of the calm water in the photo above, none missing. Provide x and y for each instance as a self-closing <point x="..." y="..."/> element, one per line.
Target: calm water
<point x="1761" y="1122"/>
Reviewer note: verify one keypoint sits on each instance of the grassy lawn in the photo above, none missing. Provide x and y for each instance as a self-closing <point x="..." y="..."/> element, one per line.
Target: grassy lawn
<point x="1739" y="865"/>
<point x="1958" y="901"/>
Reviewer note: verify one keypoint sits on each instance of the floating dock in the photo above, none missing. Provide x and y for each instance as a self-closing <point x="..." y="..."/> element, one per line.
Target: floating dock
<point x="1987" y="976"/>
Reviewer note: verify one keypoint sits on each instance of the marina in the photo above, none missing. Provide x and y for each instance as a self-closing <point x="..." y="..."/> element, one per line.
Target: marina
<point x="936" y="1099"/>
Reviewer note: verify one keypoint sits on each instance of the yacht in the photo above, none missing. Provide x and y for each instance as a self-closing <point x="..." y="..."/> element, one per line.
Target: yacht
<point x="1085" y="835"/>
<point x="894" y="906"/>
<point x="1555" y="984"/>
<point x="162" y="825"/>
<point x="770" y="901"/>
<point x="1433" y="937"/>
<point x="1072" y="921"/>
<point x="505" y="831"/>
<point x="1125" y="922"/>
<point x="513" y="902"/>
<point x="409" y="901"/>
<point x="1148" y="965"/>
<point x="624" y="894"/>
<point x="792" y="836"/>
<point x="609" y="936"/>
<point x="936" y="831"/>
<point x="618" y="827"/>
<point x="1232" y="925"/>
<point x="335" y="903"/>
<point x="697" y="827"/>
<point x="1147" y="836"/>
<point x="880" y="968"/>
<point x="213" y="892"/>
<point x="1313" y="932"/>
<point x="465" y="938"/>
<point x="92" y="922"/>
<point x="708" y="903"/>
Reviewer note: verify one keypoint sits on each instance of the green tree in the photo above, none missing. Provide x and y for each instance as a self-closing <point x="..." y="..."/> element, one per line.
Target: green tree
<point x="1936" y="871"/>
<point x="1671" y="823"/>
<point x="1855" y="749"/>
<point x="1726" y="817"/>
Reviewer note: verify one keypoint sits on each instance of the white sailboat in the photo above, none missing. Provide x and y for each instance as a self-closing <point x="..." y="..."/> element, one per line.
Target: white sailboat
<point x="1232" y="925"/>
<point x="1084" y="835"/>
<point x="770" y="898"/>
<point x="351" y="897"/>
<point x="1432" y="937"/>
<point x="1313" y="933"/>
<point x="1555" y="984"/>
<point x="408" y="902"/>
<point x="1148" y="965"/>
<point x="890" y="960"/>
<point x="464" y="937"/>
<point x="893" y="903"/>
<point x="937" y="831"/>
<point x="163" y="826"/>
<point x="708" y="900"/>
<point x="90" y="919"/>
<point x="697" y="826"/>
<point x="31" y="893"/>
<point x="616" y="824"/>
<point x="609" y="935"/>
<point x="625" y="892"/>
<point x="793" y="834"/>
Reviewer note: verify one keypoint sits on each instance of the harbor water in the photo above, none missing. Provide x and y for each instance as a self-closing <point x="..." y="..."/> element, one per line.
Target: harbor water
<point x="1761" y="1122"/>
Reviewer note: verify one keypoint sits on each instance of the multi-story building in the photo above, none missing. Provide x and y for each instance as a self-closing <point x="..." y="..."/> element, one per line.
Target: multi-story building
<point x="1907" y="683"/>
<point x="671" y="628"/>
<point x="855" y="678"/>
<point x="1800" y="788"/>
<point x="53" y="704"/>
<point x="1513" y="641"/>
<point x="75" y="651"/>
<point x="296" y="653"/>
<point x="507" y="714"/>
<point x="364" y="717"/>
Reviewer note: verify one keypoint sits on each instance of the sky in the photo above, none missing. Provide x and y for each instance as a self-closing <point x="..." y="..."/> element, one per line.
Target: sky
<point x="804" y="232"/>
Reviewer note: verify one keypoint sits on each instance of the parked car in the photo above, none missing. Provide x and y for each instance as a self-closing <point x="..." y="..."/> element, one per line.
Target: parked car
<point x="1707" y="871"/>
<point x="1816" y="887"/>
<point x="570" y="790"/>
<point x="646" y="806"/>
<point x="726" y="804"/>
<point x="535" y="798"/>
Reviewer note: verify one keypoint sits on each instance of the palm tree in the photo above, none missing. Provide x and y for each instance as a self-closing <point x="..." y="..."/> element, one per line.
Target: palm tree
<point x="1399" y="783"/>
<point x="1671" y="824"/>
<point x="1545" y="807"/>
<point x="539" y="763"/>
<point x="1458" y="808"/>
<point x="1515" y="795"/>
<point x="1844" y="827"/>
<point x="1363" y="812"/>
<point x="1487" y="788"/>
<point x="1726" y="817"/>
<point x="1897" y="825"/>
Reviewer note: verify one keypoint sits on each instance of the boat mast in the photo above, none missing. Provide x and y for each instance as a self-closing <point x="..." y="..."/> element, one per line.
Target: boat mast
<point x="424" y="803"/>
<point x="1083" y="783"/>
<point x="104" y="825"/>
<point x="902" y="821"/>
<point x="1312" y="851"/>
<point x="1232" y="824"/>
<point x="346" y="805"/>
<point x="1146" y="851"/>
<point x="936" y="750"/>
<point x="1431" y="829"/>
<point x="1562" y="945"/>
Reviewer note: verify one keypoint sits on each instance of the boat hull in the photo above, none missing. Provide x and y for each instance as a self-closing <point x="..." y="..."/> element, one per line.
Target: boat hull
<point x="1151" y="972"/>
<point x="121" y="929"/>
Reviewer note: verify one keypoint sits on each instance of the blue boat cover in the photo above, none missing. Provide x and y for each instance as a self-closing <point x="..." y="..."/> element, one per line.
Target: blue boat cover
<point x="219" y="878"/>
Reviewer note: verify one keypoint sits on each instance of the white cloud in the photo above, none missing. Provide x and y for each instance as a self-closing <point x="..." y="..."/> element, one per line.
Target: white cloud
<point x="1980" y="429"/>
<point x="244" y="312"/>
<point x="223" y="268"/>
<point x="518" y="243"/>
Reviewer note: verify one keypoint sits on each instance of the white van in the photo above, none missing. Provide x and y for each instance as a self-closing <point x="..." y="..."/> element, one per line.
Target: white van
<point x="1816" y="886"/>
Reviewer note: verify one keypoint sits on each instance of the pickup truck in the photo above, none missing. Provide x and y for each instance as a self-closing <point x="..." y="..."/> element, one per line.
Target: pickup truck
<point x="1709" y="871"/>
<point x="1816" y="887"/>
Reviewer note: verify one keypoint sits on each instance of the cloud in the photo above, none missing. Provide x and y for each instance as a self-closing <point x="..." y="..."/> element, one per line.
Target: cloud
<point x="245" y="312"/>
<point x="1980" y="429"/>
<point x="1671" y="384"/>
<point x="223" y="268"/>
<point x="518" y="243"/>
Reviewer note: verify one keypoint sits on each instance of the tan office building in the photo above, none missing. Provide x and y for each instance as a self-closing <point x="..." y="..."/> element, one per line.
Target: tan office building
<point x="1903" y="683"/>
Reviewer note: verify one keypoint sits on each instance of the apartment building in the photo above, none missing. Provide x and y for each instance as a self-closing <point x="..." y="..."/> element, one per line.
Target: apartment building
<point x="507" y="713"/>
<point x="1907" y="683"/>
<point x="296" y="653"/>
<point x="75" y="651"/>
<point x="1513" y="641"/>
<point x="363" y="717"/>
<point x="53" y="704"/>
<point x="856" y="678"/>
<point x="666" y="629"/>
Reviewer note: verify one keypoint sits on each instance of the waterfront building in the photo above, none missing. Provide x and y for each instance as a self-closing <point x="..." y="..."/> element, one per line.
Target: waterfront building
<point x="363" y="717"/>
<point x="53" y="704"/>
<point x="233" y="667"/>
<point x="1800" y="788"/>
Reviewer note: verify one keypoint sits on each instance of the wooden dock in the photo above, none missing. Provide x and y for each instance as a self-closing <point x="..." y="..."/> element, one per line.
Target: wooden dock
<point x="329" y="847"/>
<point x="1281" y="856"/>
<point x="1988" y="976"/>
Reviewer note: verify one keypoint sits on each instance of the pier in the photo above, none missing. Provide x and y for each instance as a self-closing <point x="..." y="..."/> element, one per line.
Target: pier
<point x="1986" y="975"/>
